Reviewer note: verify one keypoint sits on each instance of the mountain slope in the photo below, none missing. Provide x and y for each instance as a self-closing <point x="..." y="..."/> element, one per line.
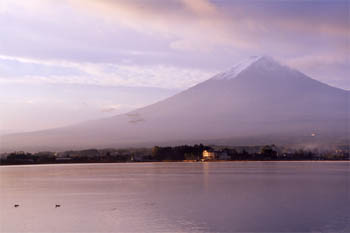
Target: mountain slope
<point x="257" y="98"/>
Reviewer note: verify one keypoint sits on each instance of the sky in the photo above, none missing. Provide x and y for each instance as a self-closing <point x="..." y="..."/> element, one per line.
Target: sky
<point x="67" y="61"/>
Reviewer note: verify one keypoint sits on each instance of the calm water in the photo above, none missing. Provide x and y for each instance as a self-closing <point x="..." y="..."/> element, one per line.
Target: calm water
<point x="177" y="197"/>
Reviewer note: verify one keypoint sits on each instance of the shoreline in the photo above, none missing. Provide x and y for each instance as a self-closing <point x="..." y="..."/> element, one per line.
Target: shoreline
<point x="150" y="162"/>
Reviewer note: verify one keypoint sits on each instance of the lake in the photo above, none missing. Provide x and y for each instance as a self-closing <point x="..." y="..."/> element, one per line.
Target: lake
<point x="176" y="197"/>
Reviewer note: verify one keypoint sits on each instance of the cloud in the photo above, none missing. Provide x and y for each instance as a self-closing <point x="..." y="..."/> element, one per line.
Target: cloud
<point x="105" y="74"/>
<point x="184" y="23"/>
<point x="191" y="36"/>
<point x="201" y="25"/>
<point x="200" y="7"/>
<point x="312" y="61"/>
<point x="175" y="32"/>
<point x="111" y="108"/>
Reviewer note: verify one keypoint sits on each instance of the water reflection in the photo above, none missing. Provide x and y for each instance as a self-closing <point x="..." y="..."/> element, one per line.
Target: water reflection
<point x="205" y="168"/>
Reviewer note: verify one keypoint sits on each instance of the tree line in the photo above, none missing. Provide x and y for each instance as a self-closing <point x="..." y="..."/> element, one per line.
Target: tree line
<point x="167" y="153"/>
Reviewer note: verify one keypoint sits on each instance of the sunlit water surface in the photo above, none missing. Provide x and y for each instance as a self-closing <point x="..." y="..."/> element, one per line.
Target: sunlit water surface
<point x="177" y="197"/>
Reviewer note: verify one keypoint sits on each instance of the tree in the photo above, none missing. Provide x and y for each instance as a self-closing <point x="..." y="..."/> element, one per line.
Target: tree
<point x="268" y="152"/>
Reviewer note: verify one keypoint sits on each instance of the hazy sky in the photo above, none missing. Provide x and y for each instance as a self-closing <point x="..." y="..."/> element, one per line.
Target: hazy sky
<point x="66" y="61"/>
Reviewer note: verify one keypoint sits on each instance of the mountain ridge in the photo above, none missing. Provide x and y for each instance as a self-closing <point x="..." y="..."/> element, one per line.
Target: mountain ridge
<point x="256" y="97"/>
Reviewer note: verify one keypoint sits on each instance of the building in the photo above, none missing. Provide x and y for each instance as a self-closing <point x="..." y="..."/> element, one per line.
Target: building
<point x="208" y="155"/>
<point x="215" y="155"/>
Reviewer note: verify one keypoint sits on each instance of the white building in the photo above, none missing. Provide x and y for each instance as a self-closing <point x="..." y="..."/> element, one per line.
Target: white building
<point x="215" y="155"/>
<point x="208" y="155"/>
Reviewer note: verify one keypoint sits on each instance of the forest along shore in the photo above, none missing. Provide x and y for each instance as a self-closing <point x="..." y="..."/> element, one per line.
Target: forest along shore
<point x="178" y="153"/>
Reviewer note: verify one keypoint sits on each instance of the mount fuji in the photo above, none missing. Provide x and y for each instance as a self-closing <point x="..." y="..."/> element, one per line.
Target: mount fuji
<point x="257" y="101"/>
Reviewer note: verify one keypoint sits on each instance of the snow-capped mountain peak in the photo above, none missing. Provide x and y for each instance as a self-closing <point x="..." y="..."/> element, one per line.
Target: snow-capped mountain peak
<point x="263" y="62"/>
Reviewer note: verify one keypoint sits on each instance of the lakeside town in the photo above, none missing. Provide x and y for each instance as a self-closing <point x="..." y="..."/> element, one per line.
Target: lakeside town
<point x="199" y="153"/>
